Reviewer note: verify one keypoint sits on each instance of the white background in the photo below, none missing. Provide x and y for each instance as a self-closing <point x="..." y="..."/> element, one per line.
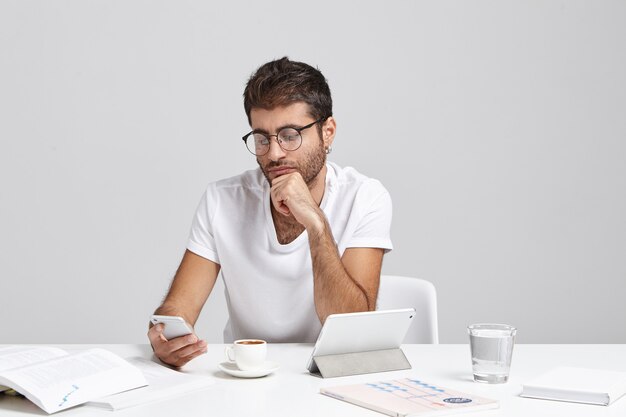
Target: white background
<point x="499" y="128"/>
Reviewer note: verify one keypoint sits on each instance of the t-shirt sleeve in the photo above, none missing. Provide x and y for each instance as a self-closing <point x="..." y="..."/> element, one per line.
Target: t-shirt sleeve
<point x="201" y="241"/>
<point x="374" y="227"/>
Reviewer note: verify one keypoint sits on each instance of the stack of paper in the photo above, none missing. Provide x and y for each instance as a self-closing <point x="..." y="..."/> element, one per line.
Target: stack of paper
<point x="163" y="384"/>
<point x="591" y="386"/>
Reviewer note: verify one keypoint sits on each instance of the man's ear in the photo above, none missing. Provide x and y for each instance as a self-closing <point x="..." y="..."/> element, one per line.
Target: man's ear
<point x="329" y="128"/>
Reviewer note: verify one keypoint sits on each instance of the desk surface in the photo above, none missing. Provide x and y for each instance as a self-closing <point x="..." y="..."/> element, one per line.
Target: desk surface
<point x="292" y="391"/>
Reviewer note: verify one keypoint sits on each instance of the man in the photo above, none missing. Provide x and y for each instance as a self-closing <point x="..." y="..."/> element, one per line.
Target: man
<point x="296" y="240"/>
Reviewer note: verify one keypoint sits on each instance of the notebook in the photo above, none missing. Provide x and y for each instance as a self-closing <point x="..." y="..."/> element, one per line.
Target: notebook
<point x="409" y="397"/>
<point x="590" y="386"/>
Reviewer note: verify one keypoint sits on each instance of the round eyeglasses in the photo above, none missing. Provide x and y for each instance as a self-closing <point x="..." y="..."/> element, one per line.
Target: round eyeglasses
<point x="288" y="138"/>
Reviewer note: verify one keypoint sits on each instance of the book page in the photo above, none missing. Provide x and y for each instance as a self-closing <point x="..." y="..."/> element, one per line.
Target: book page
<point x="17" y="356"/>
<point x="63" y="382"/>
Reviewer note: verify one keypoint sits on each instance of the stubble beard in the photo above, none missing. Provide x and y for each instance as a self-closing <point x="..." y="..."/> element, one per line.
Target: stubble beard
<point x="309" y="168"/>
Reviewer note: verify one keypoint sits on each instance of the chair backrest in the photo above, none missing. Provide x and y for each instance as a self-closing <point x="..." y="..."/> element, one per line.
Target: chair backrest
<point x="404" y="292"/>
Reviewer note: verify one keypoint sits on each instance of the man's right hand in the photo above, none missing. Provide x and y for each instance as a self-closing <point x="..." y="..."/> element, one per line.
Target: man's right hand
<point x="178" y="351"/>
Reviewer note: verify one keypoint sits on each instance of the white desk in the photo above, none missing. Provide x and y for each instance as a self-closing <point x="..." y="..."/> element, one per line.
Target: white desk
<point x="292" y="392"/>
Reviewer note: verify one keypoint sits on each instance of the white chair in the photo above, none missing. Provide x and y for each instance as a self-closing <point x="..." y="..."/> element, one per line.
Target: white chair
<point x="405" y="292"/>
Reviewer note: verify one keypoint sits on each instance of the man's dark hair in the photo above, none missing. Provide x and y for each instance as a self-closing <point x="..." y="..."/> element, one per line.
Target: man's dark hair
<point x="283" y="82"/>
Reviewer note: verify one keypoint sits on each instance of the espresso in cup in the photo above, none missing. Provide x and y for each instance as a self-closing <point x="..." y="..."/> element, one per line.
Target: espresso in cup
<point x="247" y="354"/>
<point x="250" y="342"/>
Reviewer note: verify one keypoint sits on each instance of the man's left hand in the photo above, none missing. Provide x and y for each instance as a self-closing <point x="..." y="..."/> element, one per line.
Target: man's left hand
<point x="291" y="197"/>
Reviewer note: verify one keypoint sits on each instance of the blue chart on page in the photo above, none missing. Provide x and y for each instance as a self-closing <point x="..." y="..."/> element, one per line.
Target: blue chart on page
<point x="420" y="392"/>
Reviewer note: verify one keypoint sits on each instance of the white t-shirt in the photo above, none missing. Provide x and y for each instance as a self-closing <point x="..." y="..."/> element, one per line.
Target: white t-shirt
<point x="269" y="286"/>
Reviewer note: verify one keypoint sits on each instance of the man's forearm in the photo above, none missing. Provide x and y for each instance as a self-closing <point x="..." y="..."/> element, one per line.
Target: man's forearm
<point x="335" y="291"/>
<point x="167" y="309"/>
<point x="164" y="311"/>
<point x="190" y="288"/>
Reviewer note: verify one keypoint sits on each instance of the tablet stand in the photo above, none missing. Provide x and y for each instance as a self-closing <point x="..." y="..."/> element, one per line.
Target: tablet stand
<point x="345" y="364"/>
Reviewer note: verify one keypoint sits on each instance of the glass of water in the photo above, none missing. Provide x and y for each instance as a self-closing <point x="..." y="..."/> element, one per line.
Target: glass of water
<point x="492" y="347"/>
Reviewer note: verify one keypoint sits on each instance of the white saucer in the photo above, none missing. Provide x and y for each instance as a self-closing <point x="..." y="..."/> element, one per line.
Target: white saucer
<point x="231" y="369"/>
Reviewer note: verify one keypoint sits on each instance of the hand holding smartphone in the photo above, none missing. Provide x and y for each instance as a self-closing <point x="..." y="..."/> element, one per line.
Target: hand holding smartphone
<point x="175" y="326"/>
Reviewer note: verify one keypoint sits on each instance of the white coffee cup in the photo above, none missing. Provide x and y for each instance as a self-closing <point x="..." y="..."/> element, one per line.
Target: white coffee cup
<point x="248" y="354"/>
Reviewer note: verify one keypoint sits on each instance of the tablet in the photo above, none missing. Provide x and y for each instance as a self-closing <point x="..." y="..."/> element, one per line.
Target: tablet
<point x="361" y="332"/>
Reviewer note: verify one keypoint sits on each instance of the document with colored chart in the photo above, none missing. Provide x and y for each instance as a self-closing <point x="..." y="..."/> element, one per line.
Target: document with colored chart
<point x="409" y="397"/>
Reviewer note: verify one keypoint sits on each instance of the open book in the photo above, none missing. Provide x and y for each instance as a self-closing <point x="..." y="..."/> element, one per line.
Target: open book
<point x="55" y="380"/>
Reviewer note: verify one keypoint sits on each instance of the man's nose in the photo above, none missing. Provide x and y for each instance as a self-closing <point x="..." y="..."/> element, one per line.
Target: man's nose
<point x="276" y="152"/>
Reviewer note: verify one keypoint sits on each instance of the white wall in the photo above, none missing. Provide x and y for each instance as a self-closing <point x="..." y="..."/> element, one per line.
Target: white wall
<point x="498" y="127"/>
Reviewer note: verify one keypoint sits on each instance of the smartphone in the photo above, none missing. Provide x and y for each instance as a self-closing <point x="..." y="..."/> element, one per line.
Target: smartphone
<point x="175" y="326"/>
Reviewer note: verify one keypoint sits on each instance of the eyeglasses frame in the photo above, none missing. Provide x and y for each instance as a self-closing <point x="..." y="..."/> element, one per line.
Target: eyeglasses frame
<point x="269" y="137"/>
